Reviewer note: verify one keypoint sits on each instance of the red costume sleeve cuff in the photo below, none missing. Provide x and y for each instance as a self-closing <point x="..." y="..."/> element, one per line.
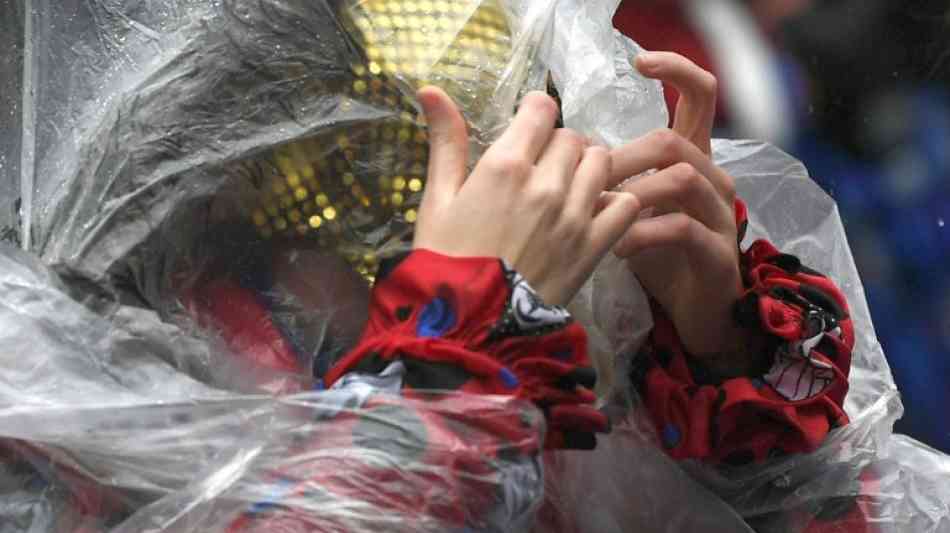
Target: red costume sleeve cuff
<point x="475" y="325"/>
<point x="792" y="405"/>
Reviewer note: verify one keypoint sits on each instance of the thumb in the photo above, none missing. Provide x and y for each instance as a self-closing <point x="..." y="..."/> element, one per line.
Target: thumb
<point x="448" y="144"/>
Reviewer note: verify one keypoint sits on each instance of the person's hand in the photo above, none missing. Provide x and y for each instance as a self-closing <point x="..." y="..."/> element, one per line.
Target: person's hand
<point x="686" y="255"/>
<point x="534" y="199"/>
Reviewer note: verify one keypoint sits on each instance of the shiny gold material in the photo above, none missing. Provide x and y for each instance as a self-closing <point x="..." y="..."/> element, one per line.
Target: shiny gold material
<point x="335" y="186"/>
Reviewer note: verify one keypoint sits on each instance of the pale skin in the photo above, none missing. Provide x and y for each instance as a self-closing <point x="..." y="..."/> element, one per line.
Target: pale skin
<point x="552" y="206"/>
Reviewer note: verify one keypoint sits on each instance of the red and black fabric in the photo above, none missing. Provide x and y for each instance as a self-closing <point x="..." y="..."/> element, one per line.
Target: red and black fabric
<point x="242" y="318"/>
<point x="418" y="467"/>
<point x="792" y="405"/>
<point x="472" y="324"/>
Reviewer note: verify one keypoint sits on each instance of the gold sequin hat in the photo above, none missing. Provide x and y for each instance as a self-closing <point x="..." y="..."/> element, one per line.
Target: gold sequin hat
<point x="355" y="188"/>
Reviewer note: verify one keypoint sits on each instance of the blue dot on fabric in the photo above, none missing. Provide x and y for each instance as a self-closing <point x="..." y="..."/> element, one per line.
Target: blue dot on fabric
<point x="436" y="318"/>
<point x="671" y="436"/>
<point x="509" y="378"/>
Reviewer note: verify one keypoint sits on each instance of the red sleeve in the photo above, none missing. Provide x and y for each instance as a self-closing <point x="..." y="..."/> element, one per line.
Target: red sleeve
<point x="473" y="324"/>
<point x="792" y="405"/>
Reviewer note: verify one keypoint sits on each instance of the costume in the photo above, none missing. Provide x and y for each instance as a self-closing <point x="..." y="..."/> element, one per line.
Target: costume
<point x="172" y="327"/>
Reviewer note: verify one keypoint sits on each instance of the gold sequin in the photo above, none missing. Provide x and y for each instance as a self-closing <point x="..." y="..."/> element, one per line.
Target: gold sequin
<point x="373" y="53"/>
<point x="411" y="216"/>
<point x="359" y="86"/>
<point x="280" y="223"/>
<point x="294" y="215"/>
<point x="394" y="7"/>
<point x="322" y="200"/>
<point x="315" y="221"/>
<point x="329" y="213"/>
<point x="415" y="185"/>
<point x="397" y="199"/>
<point x="359" y="70"/>
<point x="425" y="6"/>
<point x="399" y="183"/>
<point x="348" y="179"/>
<point x="404" y="135"/>
<point x="375" y="68"/>
<point x="260" y="217"/>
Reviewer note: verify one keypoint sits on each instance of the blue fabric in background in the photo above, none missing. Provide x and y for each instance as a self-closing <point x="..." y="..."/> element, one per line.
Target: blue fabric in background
<point x="897" y="214"/>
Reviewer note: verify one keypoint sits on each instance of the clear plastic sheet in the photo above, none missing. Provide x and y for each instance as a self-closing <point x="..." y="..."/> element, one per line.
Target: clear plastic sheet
<point x="899" y="484"/>
<point x="11" y="116"/>
<point x="151" y="129"/>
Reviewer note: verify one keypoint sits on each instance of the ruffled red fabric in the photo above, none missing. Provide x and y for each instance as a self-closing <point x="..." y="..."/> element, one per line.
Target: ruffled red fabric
<point x="452" y="320"/>
<point x="793" y="406"/>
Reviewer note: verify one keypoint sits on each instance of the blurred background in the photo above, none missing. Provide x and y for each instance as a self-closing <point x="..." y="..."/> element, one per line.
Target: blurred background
<point x="860" y="91"/>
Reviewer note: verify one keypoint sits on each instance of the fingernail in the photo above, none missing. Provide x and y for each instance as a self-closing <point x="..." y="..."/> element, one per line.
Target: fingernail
<point x="646" y="61"/>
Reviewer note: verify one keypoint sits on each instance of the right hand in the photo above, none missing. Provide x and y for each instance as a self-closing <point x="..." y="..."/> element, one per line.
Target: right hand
<point x="534" y="199"/>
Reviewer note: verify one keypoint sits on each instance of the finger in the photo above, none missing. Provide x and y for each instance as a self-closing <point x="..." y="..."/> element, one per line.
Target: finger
<point x="696" y="108"/>
<point x="613" y="221"/>
<point x="591" y="177"/>
<point x="663" y="148"/>
<point x="530" y="130"/>
<point x="448" y="145"/>
<point x="671" y="229"/>
<point x="559" y="161"/>
<point x="684" y="187"/>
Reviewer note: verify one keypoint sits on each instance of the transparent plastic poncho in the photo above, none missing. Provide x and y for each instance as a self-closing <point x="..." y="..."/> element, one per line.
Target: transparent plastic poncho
<point x="140" y="165"/>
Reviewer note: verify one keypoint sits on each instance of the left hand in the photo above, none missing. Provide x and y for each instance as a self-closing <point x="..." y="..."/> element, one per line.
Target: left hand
<point x="686" y="255"/>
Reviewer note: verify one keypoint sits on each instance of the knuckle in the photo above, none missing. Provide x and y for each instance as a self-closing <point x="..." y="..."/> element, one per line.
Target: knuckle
<point x="569" y="136"/>
<point x="682" y="226"/>
<point x="598" y="153"/>
<point x="708" y="83"/>
<point x="666" y="140"/>
<point x="539" y="101"/>
<point x="686" y="178"/>
<point x="509" y="165"/>
<point x="729" y="186"/>
<point x="628" y="201"/>
<point x="548" y="194"/>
